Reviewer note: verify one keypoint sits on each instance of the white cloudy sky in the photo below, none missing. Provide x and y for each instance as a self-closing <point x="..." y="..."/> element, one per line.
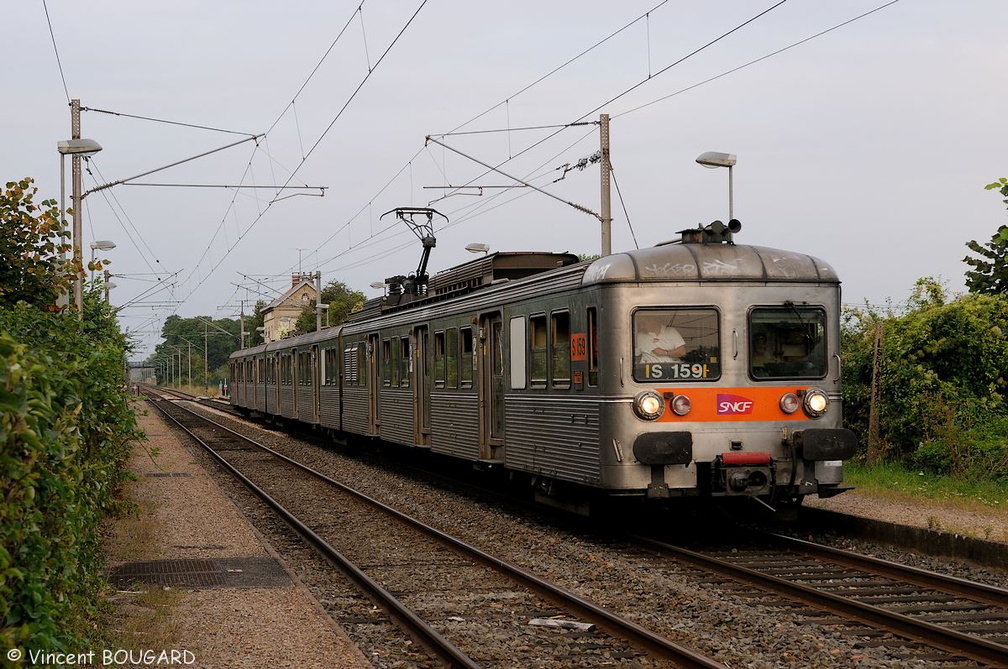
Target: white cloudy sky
<point x="868" y="146"/>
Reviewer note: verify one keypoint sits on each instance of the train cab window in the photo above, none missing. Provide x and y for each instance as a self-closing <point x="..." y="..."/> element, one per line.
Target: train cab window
<point x="405" y="362"/>
<point x="537" y="350"/>
<point x="452" y="358"/>
<point x="467" y="357"/>
<point x="592" y="347"/>
<point x="676" y="345"/>
<point x="560" y="349"/>
<point x="387" y="362"/>
<point x="787" y="342"/>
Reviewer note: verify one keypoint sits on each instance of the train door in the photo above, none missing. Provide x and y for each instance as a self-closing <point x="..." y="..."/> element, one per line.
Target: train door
<point x="421" y="386"/>
<point x="316" y="381"/>
<point x="373" y="382"/>
<point x="294" y="381"/>
<point x="491" y="387"/>
<point x="277" y="409"/>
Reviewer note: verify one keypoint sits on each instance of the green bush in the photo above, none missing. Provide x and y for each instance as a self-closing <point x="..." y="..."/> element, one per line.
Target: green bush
<point x="65" y="429"/>
<point x="941" y="374"/>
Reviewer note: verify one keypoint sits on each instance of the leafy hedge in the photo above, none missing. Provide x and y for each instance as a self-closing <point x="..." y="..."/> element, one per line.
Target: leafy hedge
<point x="65" y="429"/>
<point x="942" y="369"/>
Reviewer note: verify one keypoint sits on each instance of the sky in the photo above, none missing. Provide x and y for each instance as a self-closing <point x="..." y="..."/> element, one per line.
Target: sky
<point x="867" y="145"/>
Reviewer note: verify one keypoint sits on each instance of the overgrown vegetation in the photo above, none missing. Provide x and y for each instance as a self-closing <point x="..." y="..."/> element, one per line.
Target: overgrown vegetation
<point x="65" y="430"/>
<point x="933" y="375"/>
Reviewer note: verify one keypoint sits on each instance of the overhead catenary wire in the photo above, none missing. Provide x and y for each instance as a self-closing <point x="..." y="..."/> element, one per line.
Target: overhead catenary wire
<point x="318" y="141"/>
<point x="59" y="63"/>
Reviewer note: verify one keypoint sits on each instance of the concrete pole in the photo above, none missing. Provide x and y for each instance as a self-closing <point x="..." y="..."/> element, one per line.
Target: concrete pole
<point x="318" y="301"/>
<point x="605" y="178"/>
<point x="76" y="176"/>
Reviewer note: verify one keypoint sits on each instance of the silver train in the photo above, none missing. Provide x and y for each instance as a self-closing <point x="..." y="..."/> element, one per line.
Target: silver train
<point x="544" y="366"/>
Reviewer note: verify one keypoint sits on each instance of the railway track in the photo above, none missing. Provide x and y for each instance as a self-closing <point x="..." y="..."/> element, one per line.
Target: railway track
<point x="448" y="595"/>
<point x="928" y="617"/>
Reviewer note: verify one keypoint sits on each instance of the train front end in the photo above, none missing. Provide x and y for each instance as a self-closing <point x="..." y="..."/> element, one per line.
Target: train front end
<point x="729" y="372"/>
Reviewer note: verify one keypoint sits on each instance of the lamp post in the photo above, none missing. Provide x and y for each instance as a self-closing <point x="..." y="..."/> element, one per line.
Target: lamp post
<point x="75" y="148"/>
<point x="100" y="245"/>
<point x="477" y="247"/>
<point x="713" y="160"/>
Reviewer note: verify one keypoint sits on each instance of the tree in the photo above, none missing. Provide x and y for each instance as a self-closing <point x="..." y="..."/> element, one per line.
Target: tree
<point x="342" y="301"/>
<point x="989" y="275"/>
<point x="252" y="332"/>
<point x="33" y="266"/>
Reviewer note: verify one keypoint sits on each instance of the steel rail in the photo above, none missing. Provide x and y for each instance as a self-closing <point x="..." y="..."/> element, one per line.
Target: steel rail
<point x="612" y="623"/>
<point x="949" y="640"/>
<point x="981" y="592"/>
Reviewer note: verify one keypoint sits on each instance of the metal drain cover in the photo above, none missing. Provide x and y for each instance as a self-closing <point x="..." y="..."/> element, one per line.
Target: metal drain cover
<point x="237" y="572"/>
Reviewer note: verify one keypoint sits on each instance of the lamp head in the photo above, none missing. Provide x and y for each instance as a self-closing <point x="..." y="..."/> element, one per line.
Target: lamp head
<point x="477" y="247"/>
<point x="713" y="159"/>
<point x="78" y="147"/>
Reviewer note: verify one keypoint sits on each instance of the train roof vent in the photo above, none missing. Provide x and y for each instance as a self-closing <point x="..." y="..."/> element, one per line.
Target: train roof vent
<point x="713" y="233"/>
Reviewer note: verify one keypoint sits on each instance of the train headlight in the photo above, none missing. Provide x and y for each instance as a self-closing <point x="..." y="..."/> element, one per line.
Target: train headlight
<point x="815" y="402"/>
<point x="681" y="405"/>
<point x="789" y="403"/>
<point x="649" y="405"/>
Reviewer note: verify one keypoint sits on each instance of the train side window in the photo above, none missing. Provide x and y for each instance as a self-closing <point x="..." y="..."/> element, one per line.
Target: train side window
<point x="593" y="352"/>
<point x="676" y="345"/>
<point x="350" y="369"/>
<point x="467" y="359"/>
<point x="518" y="347"/>
<point x="537" y="350"/>
<point x="362" y="374"/>
<point x="285" y="370"/>
<point x="560" y="349"/>
<point x="387" y="362"/>
<point x="452" y="358"/>
<point x="439" y="360"/>
<point x="304" y="369"/>
<point x="787" y="342"/>
<point x="405" y="362"/>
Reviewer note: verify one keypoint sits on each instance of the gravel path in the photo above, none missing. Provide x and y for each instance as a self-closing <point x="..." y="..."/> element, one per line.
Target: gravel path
<point x="185" y="515"/>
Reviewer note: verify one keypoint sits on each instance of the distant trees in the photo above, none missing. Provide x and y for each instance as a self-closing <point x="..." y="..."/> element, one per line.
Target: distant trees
<point x="989" y="275"/>
<point x="342" y="301"/>
<point x="217" y="338"/>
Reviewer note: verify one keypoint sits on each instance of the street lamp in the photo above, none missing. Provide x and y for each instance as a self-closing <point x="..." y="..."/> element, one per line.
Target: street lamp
<point x="713" y="160"/>
<point x="75" y="148"/>
<point x="100" y="245"/>
<point x="477" y="247"/>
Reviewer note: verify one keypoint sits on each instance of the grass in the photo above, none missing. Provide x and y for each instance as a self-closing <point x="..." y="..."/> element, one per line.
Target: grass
<point x="144" y="619"/>
<point x="891" y="481"/>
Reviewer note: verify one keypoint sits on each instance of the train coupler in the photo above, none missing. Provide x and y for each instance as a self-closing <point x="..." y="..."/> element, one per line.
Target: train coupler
<point x="745" y="473"/>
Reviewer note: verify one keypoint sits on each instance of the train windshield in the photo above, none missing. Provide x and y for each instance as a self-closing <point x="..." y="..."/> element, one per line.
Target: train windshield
<point x="787" y="342"/>
<point x="676" y="345"/>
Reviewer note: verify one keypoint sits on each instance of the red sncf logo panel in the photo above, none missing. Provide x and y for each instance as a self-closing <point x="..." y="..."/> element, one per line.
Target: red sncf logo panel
<point x="734" y="405"/>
